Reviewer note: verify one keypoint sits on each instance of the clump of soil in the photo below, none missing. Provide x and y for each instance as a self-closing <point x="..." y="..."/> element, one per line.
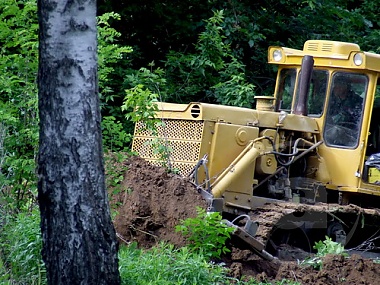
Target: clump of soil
<point x="154" y="201"/>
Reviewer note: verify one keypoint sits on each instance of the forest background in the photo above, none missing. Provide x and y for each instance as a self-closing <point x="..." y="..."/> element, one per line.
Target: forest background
<point x="176" y="51"/>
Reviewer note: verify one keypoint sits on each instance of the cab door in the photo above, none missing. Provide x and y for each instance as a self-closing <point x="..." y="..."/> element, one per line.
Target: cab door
<point x="370" y="182"/>
<point x="342" y="129"/>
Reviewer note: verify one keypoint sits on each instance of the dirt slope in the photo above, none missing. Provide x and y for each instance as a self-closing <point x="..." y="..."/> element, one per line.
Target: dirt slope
<point x="153" y="202"/>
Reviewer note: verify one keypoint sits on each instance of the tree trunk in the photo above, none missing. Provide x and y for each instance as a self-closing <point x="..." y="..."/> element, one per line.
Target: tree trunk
<point x="79" y="240"/>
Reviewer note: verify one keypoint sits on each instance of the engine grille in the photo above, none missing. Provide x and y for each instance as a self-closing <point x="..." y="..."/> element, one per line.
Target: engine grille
<point x="182" y="137"/>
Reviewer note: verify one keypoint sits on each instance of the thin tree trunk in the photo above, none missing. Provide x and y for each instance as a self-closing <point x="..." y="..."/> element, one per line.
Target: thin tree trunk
<point x="79" y="241"/>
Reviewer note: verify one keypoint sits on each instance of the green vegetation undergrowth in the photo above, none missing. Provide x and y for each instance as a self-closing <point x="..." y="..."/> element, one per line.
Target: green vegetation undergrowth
<point x="21" y="262"/>
<point x="207" y="233"/>
<point x="20" y="250"/>
<point x="166" y="265"/>
<point x="328" y="246"/>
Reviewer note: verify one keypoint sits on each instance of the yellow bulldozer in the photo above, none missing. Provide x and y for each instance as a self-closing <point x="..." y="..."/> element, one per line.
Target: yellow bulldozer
<point x="302" y="165"/>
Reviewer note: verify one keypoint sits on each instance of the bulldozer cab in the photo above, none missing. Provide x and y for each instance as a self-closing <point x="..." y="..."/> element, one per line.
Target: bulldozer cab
<point x="342" y="97"/>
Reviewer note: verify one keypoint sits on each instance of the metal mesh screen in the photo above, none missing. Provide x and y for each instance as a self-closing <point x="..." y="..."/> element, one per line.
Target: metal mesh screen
<point x="182" y="137"/>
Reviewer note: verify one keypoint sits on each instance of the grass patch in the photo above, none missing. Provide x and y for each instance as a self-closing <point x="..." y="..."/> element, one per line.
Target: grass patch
<point x="21" y="263"/>
<point x="20" y="247"/>
<point x="166" y="265"/>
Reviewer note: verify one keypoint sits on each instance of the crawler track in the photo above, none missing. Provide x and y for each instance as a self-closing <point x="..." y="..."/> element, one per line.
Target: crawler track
<point x="274" y="215"/>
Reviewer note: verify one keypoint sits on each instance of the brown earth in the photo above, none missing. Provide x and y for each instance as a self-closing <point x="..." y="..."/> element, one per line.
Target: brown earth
<point x="152" y="202"/>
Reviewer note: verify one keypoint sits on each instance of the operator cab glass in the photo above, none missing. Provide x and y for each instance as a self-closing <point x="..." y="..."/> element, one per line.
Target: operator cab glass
<point x="316" y="96"/>
<point x="317" y="92"/>
<point x="286" y="89"/>
<point x="345" y="109"/>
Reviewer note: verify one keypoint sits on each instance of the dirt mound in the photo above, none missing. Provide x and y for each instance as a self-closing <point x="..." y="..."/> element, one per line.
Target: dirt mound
<point x="153" y="202"/>
<point x="336" y="269"/>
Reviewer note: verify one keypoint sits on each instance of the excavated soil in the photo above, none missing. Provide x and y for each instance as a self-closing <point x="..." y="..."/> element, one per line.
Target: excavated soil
<point x="152" y="202"/>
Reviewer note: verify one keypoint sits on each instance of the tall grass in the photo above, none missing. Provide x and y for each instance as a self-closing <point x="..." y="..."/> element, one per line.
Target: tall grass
<point x="20" y="255"/>
<point x="21" y="263"/>
<point x="165" y="265"/>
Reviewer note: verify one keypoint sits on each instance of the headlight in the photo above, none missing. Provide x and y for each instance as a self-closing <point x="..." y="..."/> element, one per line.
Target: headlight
<point x="358" y="59"/>
<point x="277" y="55"/>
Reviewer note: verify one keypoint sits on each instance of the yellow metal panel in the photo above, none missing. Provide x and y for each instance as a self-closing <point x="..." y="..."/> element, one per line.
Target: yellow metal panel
<point x="342" y="165"/>
<point x="330" y="48"/>
<point x="373" y="175"/>
<point x="330" y="54"/>
<point x="228" y="142"/>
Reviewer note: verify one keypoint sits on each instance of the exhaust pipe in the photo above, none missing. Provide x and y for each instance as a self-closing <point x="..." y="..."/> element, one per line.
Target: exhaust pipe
<point x="304" y="85"/>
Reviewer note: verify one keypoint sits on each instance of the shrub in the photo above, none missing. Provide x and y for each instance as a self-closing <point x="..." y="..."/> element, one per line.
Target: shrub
<point x="207" y="233"/>
<point x="328" y="246"/>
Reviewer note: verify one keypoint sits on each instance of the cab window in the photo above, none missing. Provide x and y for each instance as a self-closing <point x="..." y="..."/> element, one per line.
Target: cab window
<point x="317" y="92"/>
<point x="285" y="91"/>
<point x="316" y="96"/>
<point x="345" y="109"/>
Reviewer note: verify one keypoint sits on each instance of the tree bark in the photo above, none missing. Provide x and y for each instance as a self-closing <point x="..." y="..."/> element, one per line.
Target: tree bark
<point x="79" y="240"/>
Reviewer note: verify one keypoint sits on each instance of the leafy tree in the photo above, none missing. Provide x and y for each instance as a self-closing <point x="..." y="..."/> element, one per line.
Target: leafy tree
<point x="18" y="97"/>
<point x="79" y="241"/>
<point x="248" y="28"/>
<point x="211" y="74"/>
<point x="18" y="101"/>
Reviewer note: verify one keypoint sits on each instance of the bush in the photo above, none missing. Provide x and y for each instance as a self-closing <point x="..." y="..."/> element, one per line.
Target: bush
<point x="207" y="233"/>
<point x="328" y="246"/>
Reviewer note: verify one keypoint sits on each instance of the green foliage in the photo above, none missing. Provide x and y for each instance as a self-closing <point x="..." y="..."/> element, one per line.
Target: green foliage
<point x="207" y="233"/>
<point x="165" y="265"/>
<point x="21" y="244"/>
<point x="114" y="135"/>
<point x="109" y="53"/>
<point x="211" y="47"/>
<point x="18" y="97"/>
<point x="247" y="29"/>
<point x="18" y="101"/>
<point x="115" y="169"/>
<point x="213" y="73"/>
<point x="234" y="90"/>
<point x="21" y="264"/>
<point x="328" y="246"/>
<point x="112" y="60"/>
<point x="153" y="80"/>
<point x="110" y="56"/>
<point x="140" y="105"/>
